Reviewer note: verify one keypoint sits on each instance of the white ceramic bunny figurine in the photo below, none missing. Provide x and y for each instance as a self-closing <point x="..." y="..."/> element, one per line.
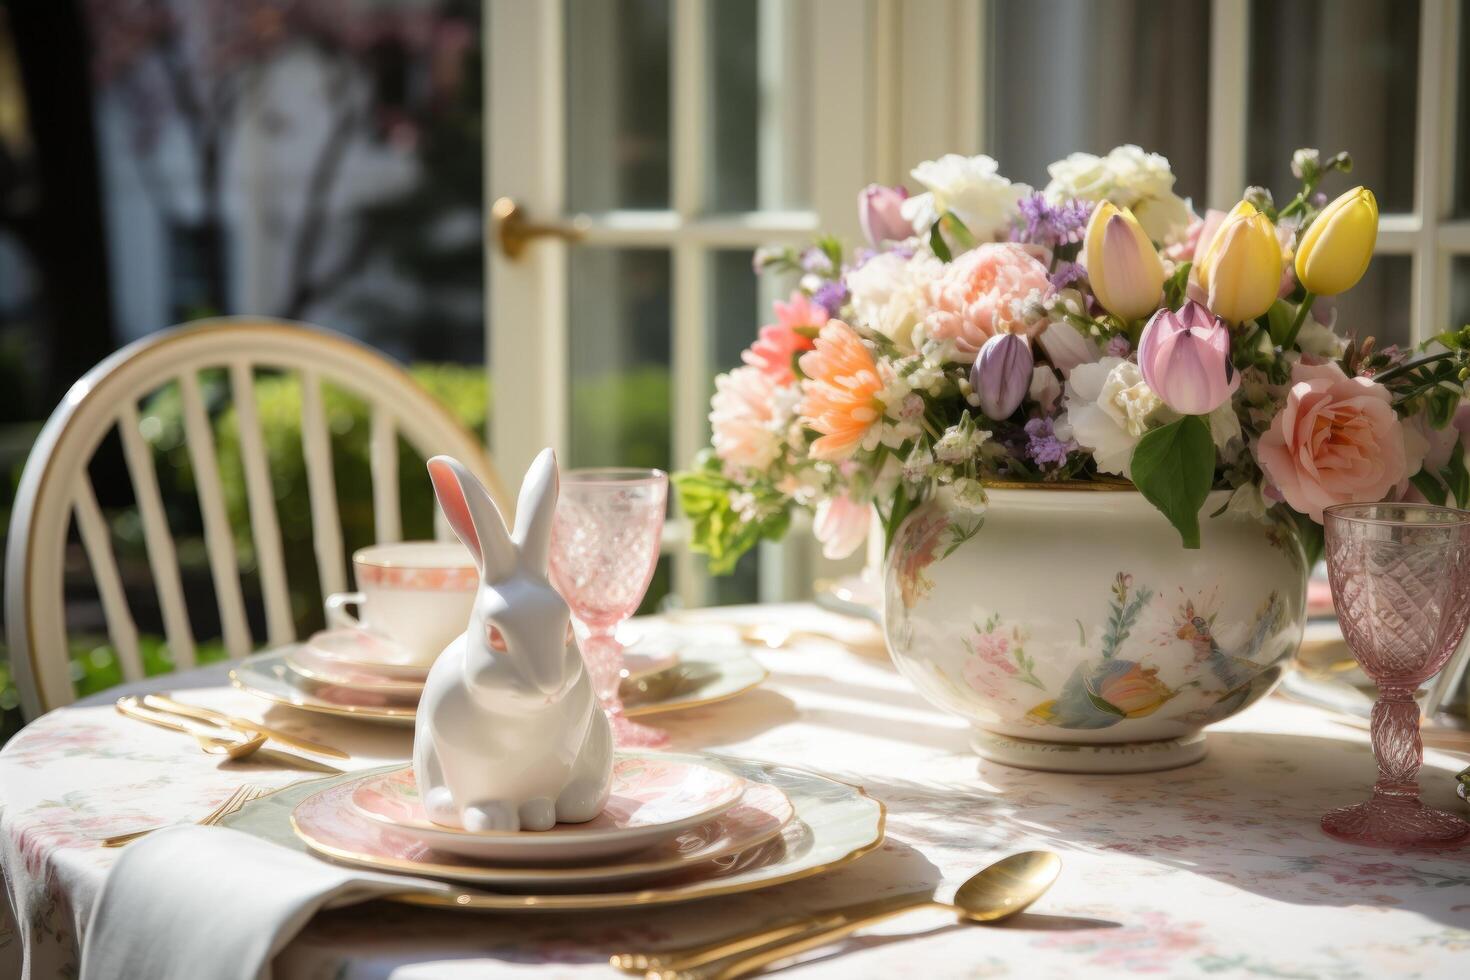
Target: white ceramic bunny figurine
<point x="509" y="734"/>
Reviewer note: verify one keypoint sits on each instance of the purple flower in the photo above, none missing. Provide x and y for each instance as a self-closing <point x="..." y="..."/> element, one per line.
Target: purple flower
<point x="831" y="294"/>
<point x="1065" y="274"/>
<point x="1042" y="445"/>
<point x="1051" y="225"/>
<point x="1118" y="346"/>
<point x="1001" y="374"/>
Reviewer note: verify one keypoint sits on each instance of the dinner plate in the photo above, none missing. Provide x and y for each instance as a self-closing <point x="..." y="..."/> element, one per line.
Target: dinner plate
<point x="833" y="825"/>
<point x="268" y="675"/>
<point x="703" y="675"/>
<point x="654" y="797"/>
<point x="365" y="652"/>
<point x="329" y="824"/>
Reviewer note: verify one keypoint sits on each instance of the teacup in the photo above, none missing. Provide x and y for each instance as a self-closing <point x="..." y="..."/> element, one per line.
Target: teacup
<point x="416" y="594"/>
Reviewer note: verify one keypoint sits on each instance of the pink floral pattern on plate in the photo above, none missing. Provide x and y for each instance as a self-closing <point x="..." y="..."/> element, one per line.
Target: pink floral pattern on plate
<point x="333" y="823"/>
<point x="649" y="794"/>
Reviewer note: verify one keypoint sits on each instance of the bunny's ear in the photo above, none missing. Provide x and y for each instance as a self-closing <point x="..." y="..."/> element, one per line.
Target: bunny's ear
<point x="474" y="517"/>
<point x="535" y="509"/>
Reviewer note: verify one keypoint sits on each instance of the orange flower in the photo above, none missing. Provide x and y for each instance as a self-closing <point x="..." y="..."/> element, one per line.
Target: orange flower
<point x="841" y="391"/>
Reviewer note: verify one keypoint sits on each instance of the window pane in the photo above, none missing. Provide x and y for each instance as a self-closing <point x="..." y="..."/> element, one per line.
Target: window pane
<point x="736" y="310"/>
<point x="1462" y="126"/>
<point x="1145" y="79"/>
<point x="1337" y="76"/>
<point x="1459" y="293"/>
<point x="619" y="354"/>
<point x="757" y="112"/>
<point x="617" y="104"/>
<point x="1378" y="306"/>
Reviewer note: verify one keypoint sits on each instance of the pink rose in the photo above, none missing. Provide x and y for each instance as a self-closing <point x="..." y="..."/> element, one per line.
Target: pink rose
<point x="970" y="301"/>
<point x="1336" y="440"/>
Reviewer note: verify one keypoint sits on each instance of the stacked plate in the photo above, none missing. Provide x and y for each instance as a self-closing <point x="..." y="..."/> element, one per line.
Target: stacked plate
<point x="355" y="673"/>
<point x="675" y="827"/>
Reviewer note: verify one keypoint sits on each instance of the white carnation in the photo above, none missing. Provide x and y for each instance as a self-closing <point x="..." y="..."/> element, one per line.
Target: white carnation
<point x="887" y="293"/>
<point x="1109" y="408"/>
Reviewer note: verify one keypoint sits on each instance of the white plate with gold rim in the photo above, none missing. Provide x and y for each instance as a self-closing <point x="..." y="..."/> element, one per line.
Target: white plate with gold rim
<point x="361" y="651"/>
<point x="834" y="824"/>
<point x="654" y="798"/>
<point x="269" y="675"/>
<point x="330" y="826"/>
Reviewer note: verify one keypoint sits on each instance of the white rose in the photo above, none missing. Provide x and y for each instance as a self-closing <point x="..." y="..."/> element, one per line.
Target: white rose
<point x="886" y="293"/>
<point x="1080" y="175"/>
<point x="971" y="188"/>
<point x="1109" y="408"/>
<point x="1130" y="178"/>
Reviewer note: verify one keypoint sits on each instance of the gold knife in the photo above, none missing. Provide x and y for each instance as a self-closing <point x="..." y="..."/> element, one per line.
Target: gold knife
<point x="163" y="703"/>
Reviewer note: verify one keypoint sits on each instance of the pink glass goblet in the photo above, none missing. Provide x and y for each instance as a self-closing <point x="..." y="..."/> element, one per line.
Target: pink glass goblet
<point x="1400" y="577"/>
<point x="604" y="549"/>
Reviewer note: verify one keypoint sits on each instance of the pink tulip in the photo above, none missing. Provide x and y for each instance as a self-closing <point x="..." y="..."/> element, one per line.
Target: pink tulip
<point x="1185" y="358"/>
<point x="880" y="213"/>
<point x="1001" y="375"/>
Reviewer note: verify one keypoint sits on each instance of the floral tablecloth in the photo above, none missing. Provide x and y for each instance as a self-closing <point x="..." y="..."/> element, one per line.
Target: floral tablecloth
<point x="1218" y="869"/>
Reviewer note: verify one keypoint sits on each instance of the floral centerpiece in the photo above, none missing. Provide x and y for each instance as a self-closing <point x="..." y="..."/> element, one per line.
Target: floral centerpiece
<point x="994" y="356"/>
<point x="1097" y="330"/>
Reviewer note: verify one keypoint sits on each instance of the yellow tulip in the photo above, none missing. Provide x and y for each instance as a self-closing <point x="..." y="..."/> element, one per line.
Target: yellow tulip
<point x="1123" y="266"/>
<point x="1335" y="251"/>
<point x="1241" y="269"/>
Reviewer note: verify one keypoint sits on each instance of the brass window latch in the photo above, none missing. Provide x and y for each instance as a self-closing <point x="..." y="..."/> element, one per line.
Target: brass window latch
<point x="514" y="231"/>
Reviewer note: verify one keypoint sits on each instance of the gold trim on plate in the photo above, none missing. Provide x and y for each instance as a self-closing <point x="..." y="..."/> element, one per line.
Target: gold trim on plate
<point x="345" y="710"/>
<point x="430" y="869"/>
<point x="491" y="901"/>
<point x="667" y="707"/>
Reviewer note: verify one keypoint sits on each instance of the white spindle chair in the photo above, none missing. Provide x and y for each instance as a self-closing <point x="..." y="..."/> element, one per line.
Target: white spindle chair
<point x="56" y="489"/>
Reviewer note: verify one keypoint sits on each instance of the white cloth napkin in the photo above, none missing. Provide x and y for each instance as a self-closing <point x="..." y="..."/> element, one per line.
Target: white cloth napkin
<point x="193" y="902"/>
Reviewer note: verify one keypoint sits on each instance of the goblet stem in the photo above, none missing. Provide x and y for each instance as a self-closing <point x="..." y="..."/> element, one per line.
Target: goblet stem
<point x="604" y="656"/>
<point x="605" y="660"/>
<point x="1397" y="745"/>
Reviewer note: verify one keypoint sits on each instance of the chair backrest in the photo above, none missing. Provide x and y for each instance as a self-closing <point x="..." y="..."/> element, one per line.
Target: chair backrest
<point x="56" y="487"/>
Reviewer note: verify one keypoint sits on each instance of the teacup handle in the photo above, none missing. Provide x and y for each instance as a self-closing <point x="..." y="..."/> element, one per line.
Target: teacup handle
<point x="336" y="610"/>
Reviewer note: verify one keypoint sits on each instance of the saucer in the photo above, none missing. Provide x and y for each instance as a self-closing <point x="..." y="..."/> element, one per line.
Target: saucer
<point x="654" y="797"/>
<point x="834" y="824"/>
<point x="328" y="823"/>
<point x="306" y="663"/>
<point x="365" y="652"/>
<point x="268" y="675"/>
<point x="704" y="674"/>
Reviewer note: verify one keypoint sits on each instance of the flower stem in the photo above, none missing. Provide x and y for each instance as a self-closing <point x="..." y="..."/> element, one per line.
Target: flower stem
<point x="1296" y="324"/>
<point x="1408" y="366"/>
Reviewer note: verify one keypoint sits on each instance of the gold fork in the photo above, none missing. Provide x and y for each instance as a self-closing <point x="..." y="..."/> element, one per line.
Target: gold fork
<point x="242" y="795"/>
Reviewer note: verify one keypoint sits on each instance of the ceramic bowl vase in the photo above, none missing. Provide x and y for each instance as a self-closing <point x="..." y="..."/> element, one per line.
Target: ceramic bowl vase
<point x="1076" y="634"/>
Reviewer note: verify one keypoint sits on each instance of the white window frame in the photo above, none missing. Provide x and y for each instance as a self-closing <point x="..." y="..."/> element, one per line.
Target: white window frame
<point x="895" y="82"/>
<point x="525" y="157"/>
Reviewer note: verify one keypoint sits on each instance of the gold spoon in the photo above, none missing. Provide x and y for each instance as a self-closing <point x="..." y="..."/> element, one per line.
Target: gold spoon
<point x="992" y="894"/>
<point x="218" y="741"/>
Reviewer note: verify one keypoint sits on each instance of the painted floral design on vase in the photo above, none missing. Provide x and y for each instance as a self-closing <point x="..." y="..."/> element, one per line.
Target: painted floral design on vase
<point x="1075" y="633"/>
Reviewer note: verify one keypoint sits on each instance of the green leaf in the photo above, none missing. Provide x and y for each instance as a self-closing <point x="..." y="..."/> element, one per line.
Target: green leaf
<point x="1176" y="286"/>
<point x="1173" y="467"/>
<point x="958" y="231"/>
<point x="1457" y="478"/>
<point x="1428" y="484"/>
<point x="936" y="242"/>
<point x="1309" y="533"/>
